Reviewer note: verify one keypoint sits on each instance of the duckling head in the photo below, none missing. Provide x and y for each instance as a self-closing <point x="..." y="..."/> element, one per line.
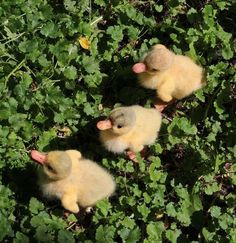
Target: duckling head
<point x="159" y="58"/>
<point x="120" y="121"/>
<point x="56" y="164"/>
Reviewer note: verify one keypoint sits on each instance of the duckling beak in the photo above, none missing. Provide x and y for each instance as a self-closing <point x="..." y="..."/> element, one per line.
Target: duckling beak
<point x="104" y="125"/>
<point x="139" y="67"/>
<point x="40" y="158"/>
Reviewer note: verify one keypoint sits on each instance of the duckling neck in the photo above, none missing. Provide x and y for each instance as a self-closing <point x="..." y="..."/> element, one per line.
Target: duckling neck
<point x="149" y="80"/>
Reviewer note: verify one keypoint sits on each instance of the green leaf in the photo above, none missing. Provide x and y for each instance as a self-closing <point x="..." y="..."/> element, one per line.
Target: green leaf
<point x="200" y="95"/>
<point x="9" y="33"/>
<point x="184" y="214"/>
<point x="45" y="138"/>
<point x="211" y="188"/>
<point x="155" y="230"/>
<point x="133" y="32"/>
<point x="43" y="61"/>
<point x="146" y="197"/>
<point x="226" y="220"/>
<point x="207" y="234"/>
<point x="59" y="118"/>
<point x="144" y="210"/>
<point x="72" y="218"/>
<point x="172" y="235"/>
<point x="180" y="125"/>
<point x="158" y="8"/>
<point x="65" y="236"/>
<point x="90" y="64"/>
<point x="127" y="222"/>
<point x="134" y="235"/>
<point x="227" y="52"/>
<point x="174" y="37"/>
<point x="215" y="211"/>
<point x="35" y="206"/>
<point x="116" y="32"/>
<point x="182" y="192"/>
<point x="105" y="234"/>
<point x="26" y="80"/>
<point x="5" y="227"/>
<point x="70" y="5"/>
<point x="192" y="15"/>
<point x="88" y="109"/>
<point x="100" y="2"/>
<point x="155" y="175"/>
<point x="197" y="203"/>
<point x="42" y="234"/>
<point x="103" y="206"/>
<point x="222" y="4"/>
<point x="50" y="30"/>
<point x="36" y="221"/>
<point x="20" y="238"/>
<point x="70" y="72"/>
<point x="170" y="209"/>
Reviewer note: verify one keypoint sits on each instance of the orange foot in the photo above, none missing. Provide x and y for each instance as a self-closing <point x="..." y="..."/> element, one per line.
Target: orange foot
<point x="132" y="155"/>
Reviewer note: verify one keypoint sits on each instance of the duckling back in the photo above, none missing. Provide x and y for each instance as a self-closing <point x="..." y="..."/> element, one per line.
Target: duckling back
<point x="93" y="182"/>
<point x="147" y="126"/>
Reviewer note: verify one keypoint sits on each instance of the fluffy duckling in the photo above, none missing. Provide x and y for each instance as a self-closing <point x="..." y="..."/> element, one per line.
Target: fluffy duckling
<point x="173" y="76"/>
<point x="75" y="181"/>
<point x="130" y="128"/>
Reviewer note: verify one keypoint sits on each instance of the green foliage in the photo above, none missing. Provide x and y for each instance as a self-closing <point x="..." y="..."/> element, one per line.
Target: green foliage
<point x="185" y="192"/>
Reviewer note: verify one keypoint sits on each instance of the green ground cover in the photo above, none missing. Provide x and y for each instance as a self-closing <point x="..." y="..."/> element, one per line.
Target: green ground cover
<point x="49" y="79"/>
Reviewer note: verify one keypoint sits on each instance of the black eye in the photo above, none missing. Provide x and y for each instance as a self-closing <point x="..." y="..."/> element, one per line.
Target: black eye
<point x="154" y="70"/>
<point x="49" y="167"/>
<point x="119" y="126"/>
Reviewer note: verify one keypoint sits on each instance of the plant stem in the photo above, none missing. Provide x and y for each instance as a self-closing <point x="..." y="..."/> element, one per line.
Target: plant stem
<point x="13" y="71"/>
<point x="13" y="39"/>
<point x="97" y="20"/>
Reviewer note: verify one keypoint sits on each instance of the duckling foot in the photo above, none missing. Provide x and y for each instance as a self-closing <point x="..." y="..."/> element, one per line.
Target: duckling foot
<point x="132" y="156"/>
<point x="161" y="105"/>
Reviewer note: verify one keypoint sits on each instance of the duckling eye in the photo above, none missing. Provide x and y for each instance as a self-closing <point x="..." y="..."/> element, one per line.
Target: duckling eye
<point x="49" y="167"/>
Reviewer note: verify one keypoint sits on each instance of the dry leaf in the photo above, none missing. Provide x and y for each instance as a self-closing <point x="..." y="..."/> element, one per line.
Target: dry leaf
<point x="159" y="215"/>
<point x="100" y="107"/>
<point x="84" y="42"/>
<point x="63" y="132"/>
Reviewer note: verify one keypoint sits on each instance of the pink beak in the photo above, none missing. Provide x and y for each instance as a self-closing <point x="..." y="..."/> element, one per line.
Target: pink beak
<point x="38" y="157"/>
<point x="104" y="125"/>
<point x="139" y="67"/>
